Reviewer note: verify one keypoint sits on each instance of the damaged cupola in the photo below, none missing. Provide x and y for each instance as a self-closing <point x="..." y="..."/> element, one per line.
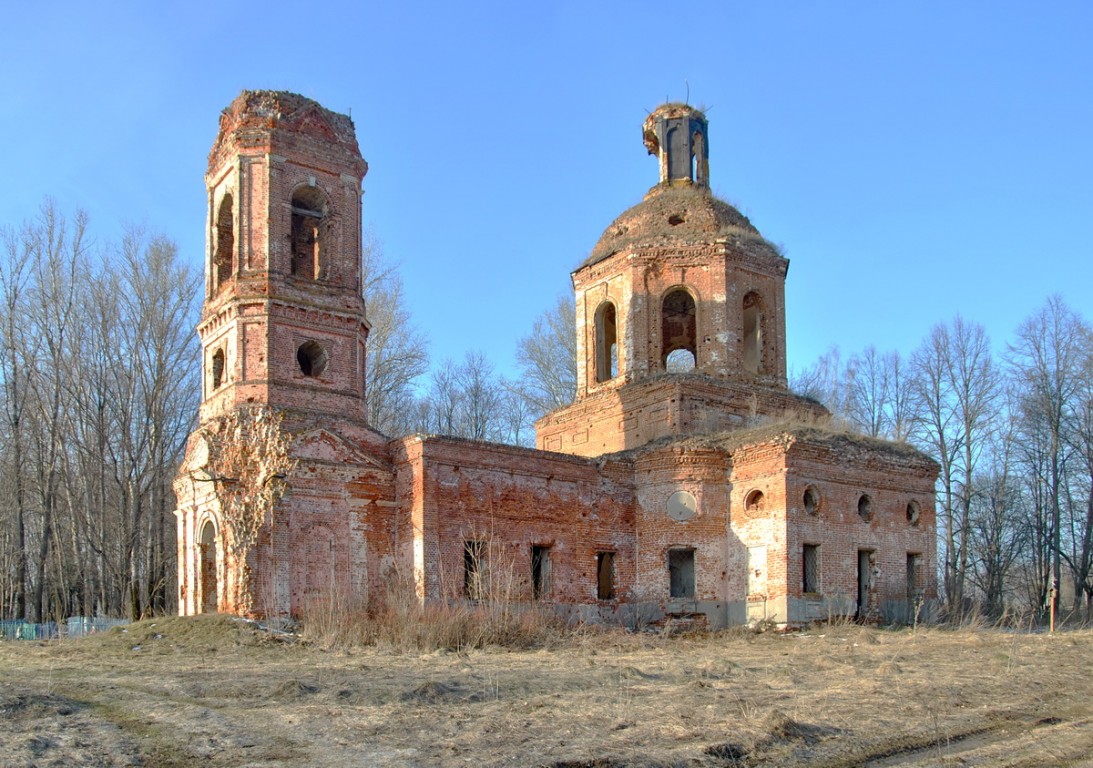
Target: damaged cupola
<point x="676" y="134"/>
<point x="680" y="311"/>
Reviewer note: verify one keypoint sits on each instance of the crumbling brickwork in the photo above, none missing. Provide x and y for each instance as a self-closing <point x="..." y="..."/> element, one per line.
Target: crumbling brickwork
<point x="686" y="480"/>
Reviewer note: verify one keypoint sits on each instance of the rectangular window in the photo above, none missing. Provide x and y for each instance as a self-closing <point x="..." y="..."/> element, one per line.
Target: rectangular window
<point x="540" y="572"/>
<point x="681" y="572"/>
<point x="605" y="575"/>
<point x="811" y="562"/>
<point x="474" y="571"/>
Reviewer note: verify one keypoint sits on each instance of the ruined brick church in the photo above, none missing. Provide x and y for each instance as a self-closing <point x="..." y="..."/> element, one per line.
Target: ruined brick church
<point x="684" y="480"/>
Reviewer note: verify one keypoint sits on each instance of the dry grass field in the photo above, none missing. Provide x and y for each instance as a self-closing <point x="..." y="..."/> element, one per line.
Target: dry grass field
<point x="215" y="691"/>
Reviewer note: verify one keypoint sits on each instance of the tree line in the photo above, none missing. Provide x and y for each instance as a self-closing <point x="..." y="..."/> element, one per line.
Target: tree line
<point x="99" y="375"/>
<point x="1012" y="431"/>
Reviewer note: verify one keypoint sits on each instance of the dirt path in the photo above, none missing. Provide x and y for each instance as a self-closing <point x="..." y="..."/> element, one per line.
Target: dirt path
<point x="214" y="692"/>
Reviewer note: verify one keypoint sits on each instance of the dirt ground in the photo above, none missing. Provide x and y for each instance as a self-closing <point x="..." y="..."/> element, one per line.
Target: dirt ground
<point x="214" y="691"/>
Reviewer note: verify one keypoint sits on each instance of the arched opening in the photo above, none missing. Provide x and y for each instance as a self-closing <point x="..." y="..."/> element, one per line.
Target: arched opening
<point x="912" y="512"/>
<point x="312" y="358"/>
<point x="698" y="158"/>
<point x="752" y="351"/>
<point x="865" y="507"/>
<point x="679" y="361"/>
<point x="678" y="326"/>
<point x="607" y="347"/>
<point x="811" y="500"/>
<point x="679" y="155"/>
<point x="207" y="564"/>
<point x="308" y="215"/>
<point x="225" y="243"/>
<point x="754" y="502"/>
<point x="218" y="368"/>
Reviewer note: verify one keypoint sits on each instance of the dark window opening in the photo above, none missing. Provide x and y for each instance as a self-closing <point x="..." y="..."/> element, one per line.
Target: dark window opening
<point x="679" y="326"/>
<point x="605" y="575"/>
<point x="312" y="358"/>
<point x="913" y="561"/>
<point x="811" y="500"/>
<point x="811" y="563"/>
<point x="912" y="513"/>
<point x="679" y="155"/>
<point x="865" y="507"/>
<point x="752" y="351"/>
<point x="540" y="572"/>
<point x="225" y="243"/>
<point x="474" y="570"/>
<point x="607" y="347"/>
<point x="308" y="218"/>
<point x="218" y="368"/>
<point x="698" y="158"/>
<point x="867" y="563"/>
<point x="681" y="572"/>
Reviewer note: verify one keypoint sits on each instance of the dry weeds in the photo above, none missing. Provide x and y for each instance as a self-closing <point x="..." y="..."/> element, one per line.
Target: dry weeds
<point x="212" y="690"/>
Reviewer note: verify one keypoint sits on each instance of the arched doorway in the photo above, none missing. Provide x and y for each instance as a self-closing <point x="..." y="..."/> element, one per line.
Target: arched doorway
<point x="207" y="547"/>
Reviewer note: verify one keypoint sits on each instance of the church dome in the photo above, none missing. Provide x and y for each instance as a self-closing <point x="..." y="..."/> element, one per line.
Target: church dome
<point x="672" y="215"/>
<point x="680" y="210"/>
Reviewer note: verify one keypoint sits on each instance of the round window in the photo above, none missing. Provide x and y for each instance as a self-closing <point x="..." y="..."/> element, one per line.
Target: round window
<point x="682" y="506"/>
<point x="754" y="502"/>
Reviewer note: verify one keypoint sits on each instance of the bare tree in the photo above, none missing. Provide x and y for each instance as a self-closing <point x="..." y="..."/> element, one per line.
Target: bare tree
<point x="956" y="388"/>
<point x="99" y="362"/>
<point x="396" y="353"/>
<point x="868" y="392"/>
<point x="548" y="359"/>
<point x="19" y="346"/>
<point x="996" y="533"/>
<point x="1047" y="362"/>
<point x="827" y="381"/>
<point x="1081" y="438"/>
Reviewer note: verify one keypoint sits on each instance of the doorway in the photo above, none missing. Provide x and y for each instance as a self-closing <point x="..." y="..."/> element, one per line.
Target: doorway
<point x="681" y="572"/>
<point x="866" y="563"/>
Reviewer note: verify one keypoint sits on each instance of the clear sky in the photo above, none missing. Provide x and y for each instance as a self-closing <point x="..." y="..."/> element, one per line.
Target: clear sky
<point x="914" y="160"/>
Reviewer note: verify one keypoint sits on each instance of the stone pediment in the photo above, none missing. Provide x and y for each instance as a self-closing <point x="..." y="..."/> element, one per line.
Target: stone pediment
<point x="326" y="446"/>
<point x="197" y="454"/>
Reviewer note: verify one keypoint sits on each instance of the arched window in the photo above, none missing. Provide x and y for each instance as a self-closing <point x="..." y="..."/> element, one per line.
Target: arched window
<point x="678" y="328"/>
<point x="679" y="155"/>
<point x="218" y="368"/>
<point x="308" y="219"/>
<point x="207" y="565"/>
<point x="225" y="243"/>
<point x="698" y="158"/>
<point x="607" y="346"/>
<point x="752" y="350"/>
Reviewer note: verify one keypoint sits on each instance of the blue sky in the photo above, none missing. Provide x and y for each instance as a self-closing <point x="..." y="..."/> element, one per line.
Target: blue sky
<point x="913" y="160"/>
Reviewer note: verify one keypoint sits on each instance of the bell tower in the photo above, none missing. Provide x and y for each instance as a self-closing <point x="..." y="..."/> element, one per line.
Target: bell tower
<point x="283" y="320"/>
<point x="680" y="312"/>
